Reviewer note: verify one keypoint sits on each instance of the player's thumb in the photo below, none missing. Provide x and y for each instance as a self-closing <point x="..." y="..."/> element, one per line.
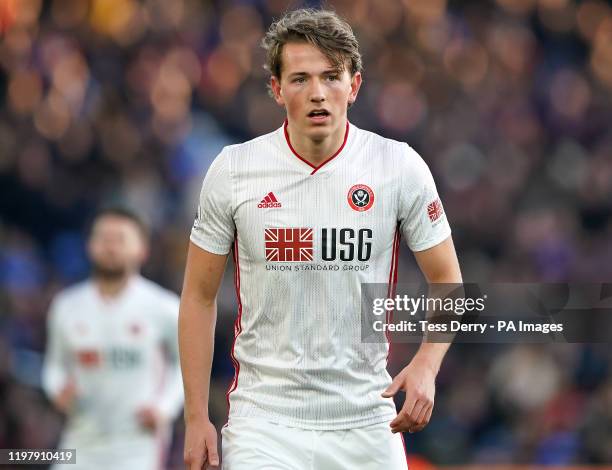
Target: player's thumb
<point x="211" y="449"/>
<point x="392" y="389"/>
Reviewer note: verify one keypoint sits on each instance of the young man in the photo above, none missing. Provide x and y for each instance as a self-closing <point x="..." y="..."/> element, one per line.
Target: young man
<point x="310" y="211"/>
<point x="112" y="354"/>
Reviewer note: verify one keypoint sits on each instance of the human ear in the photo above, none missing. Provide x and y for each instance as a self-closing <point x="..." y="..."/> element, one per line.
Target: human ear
<point x="276" y="90"/>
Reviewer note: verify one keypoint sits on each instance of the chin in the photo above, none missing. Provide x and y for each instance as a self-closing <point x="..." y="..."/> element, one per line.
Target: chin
<point x="109" y="271"/>
<point x="319" y="132"/>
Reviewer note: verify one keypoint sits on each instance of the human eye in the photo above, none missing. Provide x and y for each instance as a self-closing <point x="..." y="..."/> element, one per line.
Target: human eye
<point x="298" y="80"/>
<point x="332" y="77"/>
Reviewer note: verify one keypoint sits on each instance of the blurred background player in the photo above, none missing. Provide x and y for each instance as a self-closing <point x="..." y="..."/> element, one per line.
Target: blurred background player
<point x="509" y="102"/>
<point x="111" y="363"/>
<point x="317" y="192"/>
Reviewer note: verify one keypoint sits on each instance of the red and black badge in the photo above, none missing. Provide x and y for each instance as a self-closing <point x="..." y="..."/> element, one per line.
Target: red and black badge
<point x="360" y="197"/>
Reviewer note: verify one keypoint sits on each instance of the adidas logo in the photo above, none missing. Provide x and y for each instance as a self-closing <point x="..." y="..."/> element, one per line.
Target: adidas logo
<point x="269" y="201"/>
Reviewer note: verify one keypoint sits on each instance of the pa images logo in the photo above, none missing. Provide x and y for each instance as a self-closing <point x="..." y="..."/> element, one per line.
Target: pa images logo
<point x="360" y="197"/>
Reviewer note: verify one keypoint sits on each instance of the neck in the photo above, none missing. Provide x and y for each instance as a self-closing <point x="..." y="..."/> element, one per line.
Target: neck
<point x="111" y="288"/>
<point x="317" y="151"/>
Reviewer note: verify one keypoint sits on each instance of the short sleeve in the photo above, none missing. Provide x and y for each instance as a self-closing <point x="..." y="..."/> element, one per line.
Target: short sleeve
<point x="422" y="220"/>
<point x="213" y="229"/>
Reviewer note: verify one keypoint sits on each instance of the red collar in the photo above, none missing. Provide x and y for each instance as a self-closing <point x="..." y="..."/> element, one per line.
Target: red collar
<point x="316" y="168"/>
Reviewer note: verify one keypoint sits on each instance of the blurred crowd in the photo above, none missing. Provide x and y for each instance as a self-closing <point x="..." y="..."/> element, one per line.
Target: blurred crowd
<point x="508" y="101"/>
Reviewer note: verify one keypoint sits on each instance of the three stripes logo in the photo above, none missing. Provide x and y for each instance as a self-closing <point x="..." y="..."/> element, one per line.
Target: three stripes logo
<point x="289" y="244"/>
<point x="269" y="201"/>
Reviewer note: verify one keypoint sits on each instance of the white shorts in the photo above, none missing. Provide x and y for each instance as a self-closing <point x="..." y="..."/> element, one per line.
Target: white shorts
<point x="254" y="444"/>
<point x="119" y="452"/>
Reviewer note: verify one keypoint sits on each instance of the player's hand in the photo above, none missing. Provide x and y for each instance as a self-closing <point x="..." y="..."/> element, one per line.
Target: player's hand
<point x="200" y="444"/>
<point x="65" y="399"/>
<point x="418" y="380"/>
<point x="149" y="418"/>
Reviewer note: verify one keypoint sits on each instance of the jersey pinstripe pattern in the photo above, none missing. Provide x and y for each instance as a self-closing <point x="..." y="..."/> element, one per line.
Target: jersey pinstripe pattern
<point x="300" y="263"/>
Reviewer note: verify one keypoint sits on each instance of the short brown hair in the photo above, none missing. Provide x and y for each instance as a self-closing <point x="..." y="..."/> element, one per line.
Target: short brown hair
<point x="122" y="212"/>
<point x="323" y="29"/>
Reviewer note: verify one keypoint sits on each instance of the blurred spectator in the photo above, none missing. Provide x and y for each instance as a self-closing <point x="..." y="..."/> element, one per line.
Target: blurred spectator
<point x="508" y="101"/>
<point x="597" y="432"/>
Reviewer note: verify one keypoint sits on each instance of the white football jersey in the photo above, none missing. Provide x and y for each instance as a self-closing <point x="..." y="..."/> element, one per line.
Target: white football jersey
<point x="122" y="354"/>
<point x="304" y="238"/>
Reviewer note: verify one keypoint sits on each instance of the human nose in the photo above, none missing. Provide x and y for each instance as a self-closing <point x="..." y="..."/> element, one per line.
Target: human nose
<point x="317" y="95"/>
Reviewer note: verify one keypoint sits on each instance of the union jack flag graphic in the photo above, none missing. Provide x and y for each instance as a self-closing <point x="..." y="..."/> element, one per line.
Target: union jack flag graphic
<point x="289" y="244"/>
<point x="88" y="357"/>
<point x="434" y="210"/>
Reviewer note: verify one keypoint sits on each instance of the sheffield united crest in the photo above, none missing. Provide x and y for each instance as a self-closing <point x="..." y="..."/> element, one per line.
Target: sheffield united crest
<point x="360" y="197"/>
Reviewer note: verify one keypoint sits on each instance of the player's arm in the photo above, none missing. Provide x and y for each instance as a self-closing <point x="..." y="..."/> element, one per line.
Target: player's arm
<point x="197" y="318"/>
<point x="439" y="264"/>
<point x="56" y="380"/>
<point x="169" y="399"/>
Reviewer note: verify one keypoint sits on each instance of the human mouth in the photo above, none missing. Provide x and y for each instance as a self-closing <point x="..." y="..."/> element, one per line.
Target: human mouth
<point x="318" y="115"/>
